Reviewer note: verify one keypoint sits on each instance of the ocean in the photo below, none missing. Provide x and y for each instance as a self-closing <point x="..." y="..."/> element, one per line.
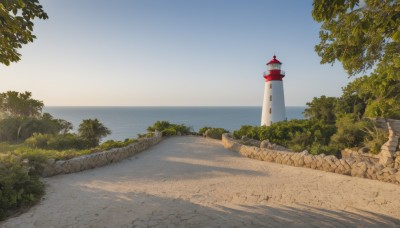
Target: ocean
<point x="127" y="122"/>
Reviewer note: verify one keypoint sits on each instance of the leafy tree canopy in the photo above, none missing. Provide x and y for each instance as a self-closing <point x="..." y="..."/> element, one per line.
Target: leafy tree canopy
<point x="359" y="34"/>
<point x="321" y="108"/>
<point x="93" y="130"/>
<point x="16" y="23"/>
<point x="15" y="104"/>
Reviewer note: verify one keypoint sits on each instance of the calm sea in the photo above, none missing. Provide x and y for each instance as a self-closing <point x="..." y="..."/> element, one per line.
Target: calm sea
<point x="127" y="122"/>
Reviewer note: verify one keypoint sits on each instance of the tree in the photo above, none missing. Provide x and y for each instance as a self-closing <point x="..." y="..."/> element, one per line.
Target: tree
<point x="16" y="23"/>
<point x="360" y="36"/>
<point x="57" y="126"/>
<point x="15" y="104"/>
<point x="322" y="108"/>
<point x="93" y="131"/>
<point x="363" y="35"/>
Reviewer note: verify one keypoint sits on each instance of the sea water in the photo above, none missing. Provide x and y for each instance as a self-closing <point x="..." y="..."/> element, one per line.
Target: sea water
<point x="127" y="122"/>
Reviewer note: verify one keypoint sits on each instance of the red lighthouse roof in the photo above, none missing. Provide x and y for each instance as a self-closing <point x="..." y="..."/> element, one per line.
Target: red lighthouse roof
<point x="274" y="60"/>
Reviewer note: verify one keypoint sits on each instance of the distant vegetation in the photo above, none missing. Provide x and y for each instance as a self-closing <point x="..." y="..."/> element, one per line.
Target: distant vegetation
<point x="168" y="129"/>
<point x="214" y="133"/>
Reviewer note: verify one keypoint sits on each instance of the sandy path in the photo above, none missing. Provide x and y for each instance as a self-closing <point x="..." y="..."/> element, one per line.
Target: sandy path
<point x="192" y="182"/>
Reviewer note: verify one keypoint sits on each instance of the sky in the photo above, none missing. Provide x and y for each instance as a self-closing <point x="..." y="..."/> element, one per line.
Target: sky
<point x="171" y="53"/>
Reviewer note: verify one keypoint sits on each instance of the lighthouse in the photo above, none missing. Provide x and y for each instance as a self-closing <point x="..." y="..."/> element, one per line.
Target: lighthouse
<point x="274" y="99"/>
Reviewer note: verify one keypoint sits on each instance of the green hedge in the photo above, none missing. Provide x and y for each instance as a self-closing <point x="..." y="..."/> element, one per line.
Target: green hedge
<point x="214" y="133"/>
<point x="18" y="186"/>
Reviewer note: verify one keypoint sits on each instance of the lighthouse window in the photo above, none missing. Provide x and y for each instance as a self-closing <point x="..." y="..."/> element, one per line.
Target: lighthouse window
<point x="270" y="97"/>
<point x="270" y="110"/>
<point x="270" y="86"/>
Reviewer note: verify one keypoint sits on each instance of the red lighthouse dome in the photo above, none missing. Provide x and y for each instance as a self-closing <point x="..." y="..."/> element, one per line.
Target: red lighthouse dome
<point x="274" y="72"/>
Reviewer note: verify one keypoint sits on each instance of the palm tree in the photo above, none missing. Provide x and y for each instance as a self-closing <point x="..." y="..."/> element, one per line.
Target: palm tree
<point x="93" y="131"/>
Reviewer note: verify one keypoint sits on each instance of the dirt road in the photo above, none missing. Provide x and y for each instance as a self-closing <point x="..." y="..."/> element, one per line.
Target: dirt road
<point x="195" y="182"/>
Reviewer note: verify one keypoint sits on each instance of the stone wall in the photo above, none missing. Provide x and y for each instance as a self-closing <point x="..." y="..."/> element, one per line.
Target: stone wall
<point x="346" y="166"/>
<point x="359" y="155"/>
<point x="98" y="159"/>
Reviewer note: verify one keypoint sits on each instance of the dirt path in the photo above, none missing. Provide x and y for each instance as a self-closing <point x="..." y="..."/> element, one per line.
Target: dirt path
<point x="195" y="182"/>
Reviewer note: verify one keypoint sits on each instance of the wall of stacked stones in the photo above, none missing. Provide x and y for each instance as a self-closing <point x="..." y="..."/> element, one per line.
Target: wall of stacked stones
<point x="52" y="167"/>
<point x="346" y="166"/>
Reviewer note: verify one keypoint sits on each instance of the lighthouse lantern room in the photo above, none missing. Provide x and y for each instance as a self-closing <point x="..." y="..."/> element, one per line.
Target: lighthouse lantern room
<point x="273" y="109"/>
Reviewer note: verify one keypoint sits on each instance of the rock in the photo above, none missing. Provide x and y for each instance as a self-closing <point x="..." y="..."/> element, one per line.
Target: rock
<point x="264" y="144"/>
<point x="389" y="170"/>
<point x="397" y="176"/>
<point x="364" y="150"/>
<point x="359" y="169"/>
<point x="386" y="161"/>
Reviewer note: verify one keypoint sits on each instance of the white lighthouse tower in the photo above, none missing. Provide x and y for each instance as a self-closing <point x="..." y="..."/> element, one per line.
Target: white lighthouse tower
<point x="274" y="99"/>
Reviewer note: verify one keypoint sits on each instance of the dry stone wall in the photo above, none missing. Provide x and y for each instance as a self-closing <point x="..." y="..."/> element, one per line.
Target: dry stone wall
<point x="52" y="167"/>
<point x="346" y="166"/>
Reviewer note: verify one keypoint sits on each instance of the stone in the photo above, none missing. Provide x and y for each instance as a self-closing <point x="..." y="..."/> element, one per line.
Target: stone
<point x="264" y="144"/>
<point x="385" y="161"/>
<point x="397" y="176"/>
<point x="359" y="170"/>
<point x="364" y="150"/>
<point x="389" y="170"/>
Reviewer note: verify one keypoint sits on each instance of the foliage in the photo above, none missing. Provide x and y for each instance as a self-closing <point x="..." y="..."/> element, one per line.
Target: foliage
<point x="57" y="142"/>
<point x="21" y="117"/>
<point x="358" y="35"/>
<point x="298" y="135"/>
<point x="350" y="133"/>
<point x="375" y="139"/>
<point x="18" y="187"/>
<point x="109" y="144"/>
<point x="168" y="129"/>
<point x="363" y="36"/>
<point x="147" y="135"/>
<point x="18" y="129"/>
<point x="322" y="108"/>
<point x="203" y="130"/>
<point x="215" y="133"/>
<point x="17" y="26"/>
<point x="15" y="104"/>
<point x="92" y="131"/>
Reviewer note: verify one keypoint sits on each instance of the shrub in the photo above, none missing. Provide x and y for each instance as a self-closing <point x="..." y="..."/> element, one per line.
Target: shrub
<point x="58" y="142"/>
<point x="215" y="133"/>
<point x="298" y="135"/>
<point x="109" y="144"/>
<point x="203" y="130"/>
<point x="147" y="135"/>
<point x="18" y="187"/>
<point x="169" y="132"/>
<point x="168" y="129"/>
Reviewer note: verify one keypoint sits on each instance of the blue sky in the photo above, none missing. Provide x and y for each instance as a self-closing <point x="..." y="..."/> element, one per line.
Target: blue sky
<point x="171" y="53"/>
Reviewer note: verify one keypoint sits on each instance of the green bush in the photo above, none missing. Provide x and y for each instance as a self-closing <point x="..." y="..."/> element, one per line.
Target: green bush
<point x="18" y="187"/>
<point x="298" y="135"/>
<point x="57" y="142"/>
<point x="203" y="130"/>
<point x="215" y="133"/>
<point x="109" y="144"/>
<point x="147" y="135"/>
<point x="168" y="129"/>
<point x="350" y="133"/>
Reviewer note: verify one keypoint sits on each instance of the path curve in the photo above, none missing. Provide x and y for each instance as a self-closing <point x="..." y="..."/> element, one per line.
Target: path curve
<point x="195" y="182"/>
